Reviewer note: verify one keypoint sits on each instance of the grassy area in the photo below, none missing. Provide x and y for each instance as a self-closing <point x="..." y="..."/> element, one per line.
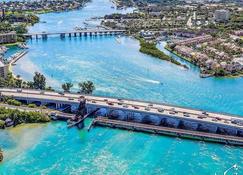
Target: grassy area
<point x="151" y="49"/>
<point x="11" y="44"/>
<point x="21" y="116"/>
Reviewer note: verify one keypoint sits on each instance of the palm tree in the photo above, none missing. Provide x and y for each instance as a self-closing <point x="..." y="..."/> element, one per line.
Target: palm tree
<point x="39" y="81"/>
<point x="86" y="87"/>
<point x="67" y="86"/>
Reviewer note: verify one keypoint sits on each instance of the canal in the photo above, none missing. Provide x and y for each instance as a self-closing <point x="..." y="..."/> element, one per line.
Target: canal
<point x="118" y="69"/>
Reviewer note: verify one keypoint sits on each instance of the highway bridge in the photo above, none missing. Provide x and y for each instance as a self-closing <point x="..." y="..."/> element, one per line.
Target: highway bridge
<point x="77" y="33"/>
<point x="156" y="114"/>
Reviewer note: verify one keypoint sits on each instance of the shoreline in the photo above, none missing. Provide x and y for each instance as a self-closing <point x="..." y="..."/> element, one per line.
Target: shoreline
<point x="240" y="75"/>
<point x="152" y="50"/>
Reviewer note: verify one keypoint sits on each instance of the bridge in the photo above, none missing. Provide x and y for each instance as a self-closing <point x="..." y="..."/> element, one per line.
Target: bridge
<point x="154" y="114"/>
<point x="77" y="33"/>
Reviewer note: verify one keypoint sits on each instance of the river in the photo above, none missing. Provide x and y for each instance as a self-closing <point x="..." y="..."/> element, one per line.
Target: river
<point x="118" y="69"/>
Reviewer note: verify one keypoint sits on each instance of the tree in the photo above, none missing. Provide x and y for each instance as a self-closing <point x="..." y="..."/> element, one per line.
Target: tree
<point x="86" y="87"/>
<point x="67" y="86"/>
<point x="39" y="81"/>
<point x="19" y="83"/>
<point x="30" y="84"/>
<point x="2" y="82"/>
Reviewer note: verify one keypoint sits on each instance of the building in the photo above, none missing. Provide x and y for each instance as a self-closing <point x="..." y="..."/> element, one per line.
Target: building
<point x="3" y="69"/>
<point x="194" y="40"/>
<point x="10" y="37"/>
<point x="221" y="15"/>
<point x="2" y="13"/>
<point x="238" y="32"/>
<point x="147" y="34"/>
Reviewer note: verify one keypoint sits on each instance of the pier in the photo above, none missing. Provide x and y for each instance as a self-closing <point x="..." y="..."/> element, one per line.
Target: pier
<point x="203" y="136"/>
<point x="17" y="56"/>
<point x="138" y="112"/>
<point x="78" y="33"/>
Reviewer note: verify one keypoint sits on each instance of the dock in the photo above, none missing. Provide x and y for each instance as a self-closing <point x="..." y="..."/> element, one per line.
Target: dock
<point x="17" y="56"/>
<point x="174" y="132"/>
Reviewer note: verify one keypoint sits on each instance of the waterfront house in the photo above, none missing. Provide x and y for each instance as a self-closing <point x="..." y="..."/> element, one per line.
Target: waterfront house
<point x="194" y="40"/>
<point x="238" y="63"/>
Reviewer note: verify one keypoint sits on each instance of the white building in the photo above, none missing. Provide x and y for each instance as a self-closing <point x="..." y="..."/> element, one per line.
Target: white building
<point x="221" y="15"/>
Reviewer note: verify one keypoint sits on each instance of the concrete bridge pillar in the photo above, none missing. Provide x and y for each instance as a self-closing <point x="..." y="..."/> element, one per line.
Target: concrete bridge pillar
<point x="85" y="33"/>
<point x="62" y="35"/>
<point x="90" y="34"/>
<point x="36" y="37"/>
<point x="75" y="34"/>
<point x="80" y="34"/>
<point x="44" y="36"/>
<point x="70" y="35"/>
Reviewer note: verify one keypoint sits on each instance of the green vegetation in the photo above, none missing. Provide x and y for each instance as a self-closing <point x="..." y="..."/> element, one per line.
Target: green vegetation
<point x="67" y="86"/>
<point x="151" y="49"/>
<point x="13" y="102"/>
<point x="19" y="117"/>
<point x="17" y="22"/>
<point x="86" y="87"/>
<point x="2" y="125"/>
<point x="220" y="72"/>
<point x="39" y="82"/>
<point x="31" y="105"/>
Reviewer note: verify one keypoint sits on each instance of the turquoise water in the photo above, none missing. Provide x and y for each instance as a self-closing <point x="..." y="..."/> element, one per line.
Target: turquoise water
<point x="117" y="69"/>
<point x="59" y="150"/>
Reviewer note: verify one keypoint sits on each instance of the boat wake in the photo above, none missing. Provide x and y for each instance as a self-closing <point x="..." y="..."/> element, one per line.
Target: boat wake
<point x="149" y="81"/>
<point x="60" y="22"/>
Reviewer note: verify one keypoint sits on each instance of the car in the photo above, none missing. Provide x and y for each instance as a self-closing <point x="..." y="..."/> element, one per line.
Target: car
<point x="42" y="92"/>
<point x="147" y="108"/>
<point x="110" y="103"/>
<point x="19" y="90"/>
<point x="186" y="114"/>
<point x="160" y="110"/>
<point x="70" y="98"/>
<point x="60" y="93"/>
<point x="204" y="113"/>
<point x="135" y="107"/>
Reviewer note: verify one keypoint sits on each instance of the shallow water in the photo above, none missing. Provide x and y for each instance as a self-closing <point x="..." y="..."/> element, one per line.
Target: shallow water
<point x="120" y="70"/>
<point x="58" y="150"/>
